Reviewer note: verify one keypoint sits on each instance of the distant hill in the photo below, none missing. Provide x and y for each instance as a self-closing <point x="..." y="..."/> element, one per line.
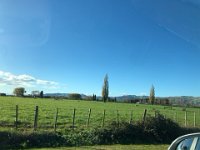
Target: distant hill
<point x="126" y="97"/>
<point x="185" y="100"/>
<point x="119" y="98"/>
<point x="61" y="95"/>
<point x="130" y="97"/>
<point x="56" y="94"/>
<point x="174" y="99"/>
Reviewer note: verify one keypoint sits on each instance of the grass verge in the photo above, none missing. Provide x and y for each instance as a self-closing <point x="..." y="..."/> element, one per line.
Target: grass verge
<point x="111" y="147"/>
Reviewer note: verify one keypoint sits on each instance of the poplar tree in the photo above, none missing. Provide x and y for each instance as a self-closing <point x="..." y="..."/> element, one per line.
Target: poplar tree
<point x="152" y="95"/>
<point x="105" y="89"/>
<point x="41" y="94"/>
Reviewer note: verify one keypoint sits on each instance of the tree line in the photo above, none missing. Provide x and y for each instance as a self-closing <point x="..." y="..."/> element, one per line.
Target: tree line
<point x="20" y="92"/>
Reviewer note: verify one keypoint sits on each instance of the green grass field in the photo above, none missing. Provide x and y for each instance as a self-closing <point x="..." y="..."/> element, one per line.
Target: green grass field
<point x="112" y="147"/>
<point x="47" y="110"/>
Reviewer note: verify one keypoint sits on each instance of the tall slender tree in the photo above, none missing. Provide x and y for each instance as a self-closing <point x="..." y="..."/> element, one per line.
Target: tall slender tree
<point x="41" y="94"/>
<point x="94" y="97"/>
<point x="152" y="95"/>
<point x="105" y="89"/>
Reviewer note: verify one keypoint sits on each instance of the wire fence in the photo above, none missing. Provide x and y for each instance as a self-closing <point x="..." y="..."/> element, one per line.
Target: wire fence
<point x="44" y="118"/>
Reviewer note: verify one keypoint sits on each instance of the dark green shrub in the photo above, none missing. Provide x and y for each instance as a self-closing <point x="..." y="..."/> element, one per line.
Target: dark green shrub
<point x="18" y="140"/>
<point x="123" y="133"/>
<point x="74" y="96"/>
<point x="161" y="129"/>
<point x="154" y="130"/>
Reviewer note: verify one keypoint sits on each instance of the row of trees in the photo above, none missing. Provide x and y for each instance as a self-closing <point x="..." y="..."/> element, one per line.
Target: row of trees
<point x="37" y="94"/>
<point x="105" y="91"/>
<point x="20" y="91"/>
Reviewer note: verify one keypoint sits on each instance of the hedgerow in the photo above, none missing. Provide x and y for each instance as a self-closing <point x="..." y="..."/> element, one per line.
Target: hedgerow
<point x="154" y="130"/>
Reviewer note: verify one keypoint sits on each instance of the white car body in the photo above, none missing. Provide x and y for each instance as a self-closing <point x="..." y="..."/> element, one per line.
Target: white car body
<point x="186" y="142"/>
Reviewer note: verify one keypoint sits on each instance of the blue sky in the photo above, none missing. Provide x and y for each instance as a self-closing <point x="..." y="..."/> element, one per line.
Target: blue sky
<point x="69" y="46"/>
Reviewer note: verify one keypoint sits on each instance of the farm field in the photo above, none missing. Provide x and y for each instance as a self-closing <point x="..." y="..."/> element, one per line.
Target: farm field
<point x="113" y="112"/>
<point x="112" y="147"/>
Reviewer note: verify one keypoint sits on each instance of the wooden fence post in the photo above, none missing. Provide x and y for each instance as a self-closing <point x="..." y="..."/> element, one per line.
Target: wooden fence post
<point x="103" y="120"/>
<point x="73" y="121"/>
<point x="185" y="118"/>
<point x="155" y="115"/>
<point x="144" y="116"/>
<point x="36" y="118"/>
<point x="131" y="118"/>
<point x="88" y="120"/>
<point x="118" y="118"/>
<point x="16" y="116"/>
<point x="56" y="119"/>
<point x="175" y="116"/>
<point x="194" y="119"/>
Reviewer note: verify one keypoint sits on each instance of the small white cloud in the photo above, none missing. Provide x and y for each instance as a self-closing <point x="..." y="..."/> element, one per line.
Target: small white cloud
<point x="7" y="78"/>
<point x="25" y="78"/>
<point x="44" y="82"/>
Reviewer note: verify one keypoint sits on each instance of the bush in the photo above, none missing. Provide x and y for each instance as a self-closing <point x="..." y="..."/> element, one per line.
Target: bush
<point x="10" y="140"/>
<point x="74" y="96"/>
<point x="126" y="133"/>
<point x="161" y="130"/>
<point x="155" y="130"/>
<point x="2" y="94"/>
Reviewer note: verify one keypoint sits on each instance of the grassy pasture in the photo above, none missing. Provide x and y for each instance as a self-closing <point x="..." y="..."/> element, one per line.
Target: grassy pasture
<point x="47" y="110"/>
<point x="111" y="147"/>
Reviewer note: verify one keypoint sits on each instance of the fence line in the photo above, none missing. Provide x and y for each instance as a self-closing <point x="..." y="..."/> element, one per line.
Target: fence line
<point x="187" y="119"/>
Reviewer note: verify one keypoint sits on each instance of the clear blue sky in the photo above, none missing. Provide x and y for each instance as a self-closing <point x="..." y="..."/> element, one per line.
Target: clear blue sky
<point x="69" y="46"/>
